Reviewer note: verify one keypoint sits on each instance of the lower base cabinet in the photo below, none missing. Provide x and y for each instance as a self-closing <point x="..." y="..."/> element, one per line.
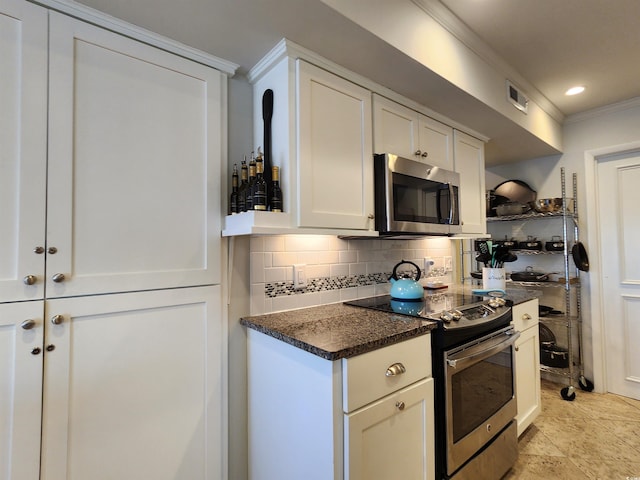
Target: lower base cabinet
<point x="302" y="424"/>
<point x="131" y="387"/>
<point x="527" y="363"/>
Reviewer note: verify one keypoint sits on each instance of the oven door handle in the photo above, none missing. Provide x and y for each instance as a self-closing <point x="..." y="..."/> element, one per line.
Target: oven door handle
<point x="479" y="355"/>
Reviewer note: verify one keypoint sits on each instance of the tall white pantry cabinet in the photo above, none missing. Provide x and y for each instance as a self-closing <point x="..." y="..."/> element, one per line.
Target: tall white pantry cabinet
<point x="112" y="340"/>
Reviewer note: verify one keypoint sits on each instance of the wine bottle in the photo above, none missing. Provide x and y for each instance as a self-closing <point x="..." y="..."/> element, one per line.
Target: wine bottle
<point x="251" y="184"/>
<point x="276" y="192"/>
<point x="233" y="200"/>
<point x="260" y="187"/>
<point x="242" y="190"/>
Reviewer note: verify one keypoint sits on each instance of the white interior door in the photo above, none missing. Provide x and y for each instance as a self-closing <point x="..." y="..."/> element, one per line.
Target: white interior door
<point x="619" y="229"/>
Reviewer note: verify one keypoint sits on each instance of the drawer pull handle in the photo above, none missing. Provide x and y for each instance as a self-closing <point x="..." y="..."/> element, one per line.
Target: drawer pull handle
<point x="400" y="405"/>
<point x="526" y="316"/>
<point x="395" y="369"/>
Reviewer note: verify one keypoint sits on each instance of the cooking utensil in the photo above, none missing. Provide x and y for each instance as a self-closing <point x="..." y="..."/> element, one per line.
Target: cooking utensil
<point x="555" y="245"/>
<point x="544" y="310"/>
<point x="551" y="205"/>
<point x="554" y="356"/>
<point x="580" y="257"/>
<point x="546" y="335"/>
<point x="267" y="115"/>
<point x="529" y="276"/>
<point x="477" y="275"/>
<point x="516" y="191"/>
<point x="493" y="201"/>
<point x="404" y="288"/>
<point x="530" y="244"/>
<point x="511" y="208"/>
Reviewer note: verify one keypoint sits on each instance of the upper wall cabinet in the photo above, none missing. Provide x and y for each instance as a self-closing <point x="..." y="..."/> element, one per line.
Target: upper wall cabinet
<point x="407" y="133"/>
<point x="130" y="204"/>
<point x="322" y="142"/>
<point x="469" y="163"/>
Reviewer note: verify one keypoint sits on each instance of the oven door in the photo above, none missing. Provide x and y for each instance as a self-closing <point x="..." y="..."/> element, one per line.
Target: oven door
<point x="479" y="393"/>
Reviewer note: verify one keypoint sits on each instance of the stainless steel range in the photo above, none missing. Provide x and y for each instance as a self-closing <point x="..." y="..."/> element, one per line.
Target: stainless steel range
<point x="472" y="355"/>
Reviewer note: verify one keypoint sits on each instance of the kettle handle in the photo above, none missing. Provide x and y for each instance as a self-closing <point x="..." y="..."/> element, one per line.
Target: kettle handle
<point x="394" y="274"/>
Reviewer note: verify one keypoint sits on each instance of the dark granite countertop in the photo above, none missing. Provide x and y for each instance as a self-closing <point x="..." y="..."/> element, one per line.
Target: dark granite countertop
<point x="338" y="331"/>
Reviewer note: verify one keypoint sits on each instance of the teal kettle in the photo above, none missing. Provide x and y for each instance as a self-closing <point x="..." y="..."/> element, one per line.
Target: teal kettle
<point x="406" y="288"/>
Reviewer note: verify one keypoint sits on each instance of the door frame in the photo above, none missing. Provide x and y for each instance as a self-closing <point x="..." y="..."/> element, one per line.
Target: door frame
<point x="595" y="282"/>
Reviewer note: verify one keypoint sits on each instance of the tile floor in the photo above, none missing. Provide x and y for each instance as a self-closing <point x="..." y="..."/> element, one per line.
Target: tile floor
<point x="597" y="436"/>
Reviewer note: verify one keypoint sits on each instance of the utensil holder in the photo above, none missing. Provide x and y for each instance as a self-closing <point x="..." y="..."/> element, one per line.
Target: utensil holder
<point x="493" y="278"/>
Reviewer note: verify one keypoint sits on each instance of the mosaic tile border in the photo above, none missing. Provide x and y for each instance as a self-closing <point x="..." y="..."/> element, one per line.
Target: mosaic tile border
<point x="323" y="284"/>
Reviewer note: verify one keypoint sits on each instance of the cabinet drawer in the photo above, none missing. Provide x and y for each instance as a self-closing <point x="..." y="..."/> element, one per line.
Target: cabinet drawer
<point x="525" y="315"/>
<point x="365" y="377"/>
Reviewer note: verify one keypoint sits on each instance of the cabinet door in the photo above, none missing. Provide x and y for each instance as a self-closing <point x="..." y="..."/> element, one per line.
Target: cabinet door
<point x="393" y="437"/>
<point x="527" y="365"/>
<point x="395" y="128"/>
<point x="469" y="163"/>
<point x="20" y="389"/>
<point x="335" y="186"/>
<point x="436" y="141"/>
<point x="133" y="388"/>
<point x="23" y="143"/>
<point x="134" y="161"/>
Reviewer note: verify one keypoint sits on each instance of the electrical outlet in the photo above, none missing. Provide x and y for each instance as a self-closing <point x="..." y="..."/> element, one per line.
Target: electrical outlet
<point x="428" y="263"/>
<point x="448" y="264"/>
<point x="299" y="276"/>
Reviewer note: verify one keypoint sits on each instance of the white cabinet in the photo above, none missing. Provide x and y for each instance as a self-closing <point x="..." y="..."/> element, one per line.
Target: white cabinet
<point x="23" y="154"/>
<point x="335" y="160"/>
<point x="410" y="134"/>
<point x="131" y="204"/>
<point x="527" y="363"/>
<point x="132" y="386"/>
<point x="109" y="183"/>
<point x="469" y="163"/>
<point x="389" y="438"/>
<point x="318" y="419"/>
<point x="21" y="345"/>
<point x="321" y="140"/>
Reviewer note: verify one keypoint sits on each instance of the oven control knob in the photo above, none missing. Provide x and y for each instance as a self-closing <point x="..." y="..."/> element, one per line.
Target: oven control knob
<point x="446" y="317"/>
<point x="497" y="302"/>
<point x="456" y="314"/>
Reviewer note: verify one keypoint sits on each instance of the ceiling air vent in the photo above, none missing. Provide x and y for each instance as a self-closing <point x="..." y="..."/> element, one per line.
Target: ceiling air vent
<point x="517" y="98"/>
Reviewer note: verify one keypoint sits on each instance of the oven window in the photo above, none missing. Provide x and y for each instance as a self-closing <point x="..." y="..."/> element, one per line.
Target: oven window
<point x="420" y="200"/>
<point x="479" y="391"/>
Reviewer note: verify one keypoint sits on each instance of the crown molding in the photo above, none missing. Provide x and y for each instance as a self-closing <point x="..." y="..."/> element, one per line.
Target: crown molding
<point x="604" y="110"/>
<point x="441" y="14"/>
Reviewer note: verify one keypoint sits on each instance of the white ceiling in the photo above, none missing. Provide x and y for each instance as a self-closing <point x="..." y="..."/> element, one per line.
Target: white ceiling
<point x="551" y="43"/>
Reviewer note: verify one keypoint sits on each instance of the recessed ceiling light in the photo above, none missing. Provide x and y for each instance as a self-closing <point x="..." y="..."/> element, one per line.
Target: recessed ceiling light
<point x="575" y="90"/>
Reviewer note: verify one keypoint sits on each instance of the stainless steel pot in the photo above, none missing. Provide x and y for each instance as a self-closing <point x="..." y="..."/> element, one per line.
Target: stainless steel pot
<point x="511" y="208"/>
<point x="550" y="205"/>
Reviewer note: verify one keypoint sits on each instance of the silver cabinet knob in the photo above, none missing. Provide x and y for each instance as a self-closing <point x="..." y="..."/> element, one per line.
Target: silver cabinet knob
<point x="28" y="324"/>
<point x="30" y="279"/>
<point x="526" y="316"/>
<point x="395" y="369"/>
<point x="52" y="250"/>
<point x="424" y="154"/>
<point x="38" y="250"/>
<point x="35" y="351"/>
<point x="418" y="152"/>
<point x="58" y="277"/>
<point x="57" y="319"/>
<point x="400" y="405"/>
<point x="50" y="348"/>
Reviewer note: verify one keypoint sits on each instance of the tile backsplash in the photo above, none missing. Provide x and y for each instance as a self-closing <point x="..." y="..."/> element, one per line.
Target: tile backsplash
<point x="336" y="269"/>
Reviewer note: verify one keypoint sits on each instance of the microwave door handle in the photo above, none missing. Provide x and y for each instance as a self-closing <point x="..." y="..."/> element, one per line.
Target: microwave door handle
<point x="476" y="357"/>
<point x="452" y="203"/>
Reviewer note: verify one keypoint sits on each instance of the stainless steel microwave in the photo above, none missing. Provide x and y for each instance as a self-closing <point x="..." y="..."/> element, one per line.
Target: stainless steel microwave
<point x="413" y="198"/>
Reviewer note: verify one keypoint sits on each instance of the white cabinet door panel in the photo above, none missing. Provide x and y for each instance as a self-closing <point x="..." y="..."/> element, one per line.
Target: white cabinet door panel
<point x="395" y="128"/>
<point x="527" y="377"/>
<point x="132" y="389"/>
<point x="393" y="437"/>
<point x="436" y="143"/>
<point x="20" y="390"/>
<point x="134" y="153"/>
<point x="469" y="163"/>
<point x="23" y="154"/>
<point x="334" y="150"/>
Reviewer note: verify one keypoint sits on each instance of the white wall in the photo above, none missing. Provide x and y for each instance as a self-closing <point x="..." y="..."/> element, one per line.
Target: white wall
<point x="612" y="127"/>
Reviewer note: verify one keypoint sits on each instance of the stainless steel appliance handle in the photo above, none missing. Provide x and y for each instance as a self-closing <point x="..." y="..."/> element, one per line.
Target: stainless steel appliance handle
<point x="452" y="203"/>
<point x="483" y="351"/>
